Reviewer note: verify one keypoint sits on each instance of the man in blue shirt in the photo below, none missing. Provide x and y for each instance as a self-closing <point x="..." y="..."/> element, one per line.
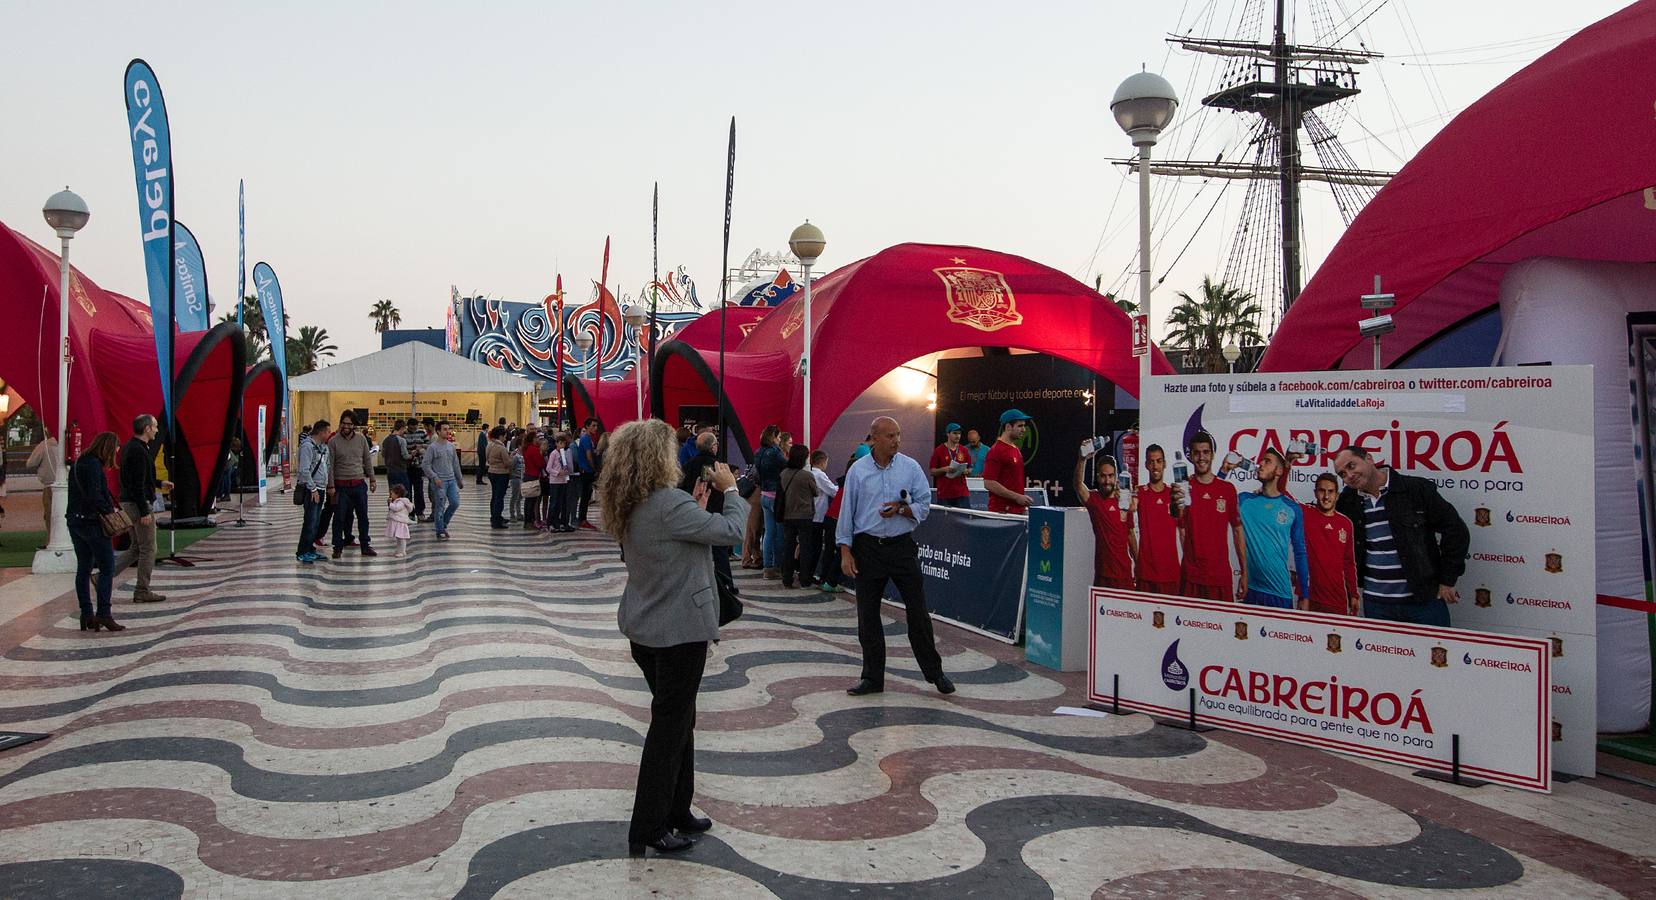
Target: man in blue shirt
<point x="1274" y="527"/>
<point x="886" y="495"/>
<point x="979" y="451"/>
<point x="586" y="472"/>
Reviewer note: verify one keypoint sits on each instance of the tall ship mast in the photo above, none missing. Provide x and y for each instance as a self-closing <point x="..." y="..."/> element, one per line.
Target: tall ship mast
<point x="1290" y="91"/>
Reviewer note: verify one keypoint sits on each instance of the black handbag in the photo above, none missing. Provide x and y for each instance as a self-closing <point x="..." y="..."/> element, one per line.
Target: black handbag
<point x="730" y="606"/>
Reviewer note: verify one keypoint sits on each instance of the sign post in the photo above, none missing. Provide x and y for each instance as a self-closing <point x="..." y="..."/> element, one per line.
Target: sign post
<point x="261" y="463"/>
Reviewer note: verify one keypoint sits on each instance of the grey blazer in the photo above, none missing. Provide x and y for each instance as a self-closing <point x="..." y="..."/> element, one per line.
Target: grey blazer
<point x="670" y="597"/>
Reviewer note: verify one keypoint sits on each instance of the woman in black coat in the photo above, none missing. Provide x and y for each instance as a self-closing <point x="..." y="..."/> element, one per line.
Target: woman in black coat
<point x="88" y="499"/>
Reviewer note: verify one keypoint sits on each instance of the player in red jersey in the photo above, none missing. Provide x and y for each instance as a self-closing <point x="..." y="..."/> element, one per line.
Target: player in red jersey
<point x="1207" y="508"/>
<point x="1158" y="530"/>
<point x="1115" y="542"/>
<point x="1003" y="468"/>
<point x="1328" y="542"/>
<point x="949" y="463"/>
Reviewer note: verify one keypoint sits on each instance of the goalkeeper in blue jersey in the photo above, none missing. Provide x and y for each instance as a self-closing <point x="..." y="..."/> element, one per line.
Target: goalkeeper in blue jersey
<point x="1274" y="527"/>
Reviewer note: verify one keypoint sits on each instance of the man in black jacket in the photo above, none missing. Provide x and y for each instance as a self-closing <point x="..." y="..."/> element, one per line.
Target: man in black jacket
<point x="699" y="469"/>
<point x="138" y="487"/>
<point x="1410" y="543"/>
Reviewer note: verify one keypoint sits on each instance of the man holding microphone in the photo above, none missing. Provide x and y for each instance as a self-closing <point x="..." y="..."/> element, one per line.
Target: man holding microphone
<point x="886" y="495"/>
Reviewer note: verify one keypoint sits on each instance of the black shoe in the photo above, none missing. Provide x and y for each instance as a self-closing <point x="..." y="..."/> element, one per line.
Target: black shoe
<point x="368" y="551"/>
<point x="944" y="685"/>
<point x="865" y="687"/>
<point x="87" y="624"/>
<point x="337" y="552"/>
<point x="667" y="843"/>
<point x="691" y="824"/>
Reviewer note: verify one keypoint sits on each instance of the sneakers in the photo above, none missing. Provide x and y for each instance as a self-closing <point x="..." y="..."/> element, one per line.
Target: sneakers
<point x="773" y="574"/>
<point x="589" y="526"/>
<point x="308" y="557"/>
<point x="145" y="595"/>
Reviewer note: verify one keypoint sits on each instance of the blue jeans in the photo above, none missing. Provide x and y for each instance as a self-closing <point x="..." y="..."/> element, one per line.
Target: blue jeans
<point x="92" y="548"/>
<point x="771" y="544"/>
<point x="1260" y="598"/>
<point x="352" y="499"/>
<point x="313" y="519"/>
<point x="1433" y="612"/>
<point x="445" y="502"/>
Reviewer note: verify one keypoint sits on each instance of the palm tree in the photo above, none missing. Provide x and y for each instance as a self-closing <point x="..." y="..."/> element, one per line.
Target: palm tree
<point x="1222" y="315"/>
<point x="1126" y="306"/>
<point x="385" y="316"/>
<point x="306" y="352"/>
<point x="258" y="340"/>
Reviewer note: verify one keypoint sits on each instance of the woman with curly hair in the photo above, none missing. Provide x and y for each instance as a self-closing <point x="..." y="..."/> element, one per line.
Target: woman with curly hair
<point x="669" y="611"/>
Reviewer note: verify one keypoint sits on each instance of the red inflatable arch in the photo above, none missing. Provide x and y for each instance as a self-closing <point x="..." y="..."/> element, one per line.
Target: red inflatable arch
<point x="878" y="313"/>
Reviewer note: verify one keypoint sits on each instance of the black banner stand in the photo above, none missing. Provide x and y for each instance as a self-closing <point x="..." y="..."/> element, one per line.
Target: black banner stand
<point x="1453" y="776"/>
<point x="1188" y="723"/>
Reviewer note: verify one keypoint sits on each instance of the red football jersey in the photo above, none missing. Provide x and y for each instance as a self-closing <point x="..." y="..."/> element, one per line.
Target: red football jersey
<point x="1004" y="466"/>
<point x="949" y="488"/>
<point x="1333" y="563"/>
<point x="1110" y="557"/>
<point x="1158" y="558"/>
<point x="1208" y="518"/>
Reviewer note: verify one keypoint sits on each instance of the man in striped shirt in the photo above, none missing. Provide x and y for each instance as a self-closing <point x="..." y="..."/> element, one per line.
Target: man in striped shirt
<point x="1410" y="543"/>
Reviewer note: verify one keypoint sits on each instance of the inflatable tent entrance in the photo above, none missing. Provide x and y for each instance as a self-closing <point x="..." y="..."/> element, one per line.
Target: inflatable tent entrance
<point x="1510" y="211"/>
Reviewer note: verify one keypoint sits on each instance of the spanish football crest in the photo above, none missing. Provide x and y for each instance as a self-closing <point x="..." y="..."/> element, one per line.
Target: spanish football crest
<point x="1158" y="619"/>
<point x="979" y="298"/>
<point x="1555" y="562"/>
<point x="1558" y="730"/>
<point x="1046" y="537"/>
<point x="1440" y="657"/>
<point x="1480" y="517"/>
<point x="1241" y="631"/>
<point x="1482" y="595"/>
<point x="1334" y="643"/>
<point x="1557" y="645"/>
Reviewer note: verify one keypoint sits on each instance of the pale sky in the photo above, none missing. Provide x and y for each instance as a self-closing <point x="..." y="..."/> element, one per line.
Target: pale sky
<point x="393" y="149"/>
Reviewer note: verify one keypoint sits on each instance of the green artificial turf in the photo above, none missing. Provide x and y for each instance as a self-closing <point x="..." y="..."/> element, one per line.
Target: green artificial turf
<point x="17" y="548"/>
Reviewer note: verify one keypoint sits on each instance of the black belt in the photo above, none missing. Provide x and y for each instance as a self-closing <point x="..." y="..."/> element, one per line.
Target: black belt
<point x="884" y="541"/>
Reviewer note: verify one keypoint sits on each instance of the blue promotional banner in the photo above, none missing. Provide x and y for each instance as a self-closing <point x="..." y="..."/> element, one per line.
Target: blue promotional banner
<point x="270" y="305"/>
<point x="190" y="304"/>
<point x="1044" y="588"/>
<point x="152" y="167"/>
<point x="241" y="249"/>
<point x="973" y="565"/>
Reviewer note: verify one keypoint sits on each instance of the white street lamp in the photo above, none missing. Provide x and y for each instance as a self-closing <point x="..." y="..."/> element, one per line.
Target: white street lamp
<point x="807" y="243"/>
<point x="66" y="212"/>
<point x="584" y="342"/>
<point x="1143" y="106"/>
<point x="1232" y="354"/>
<point x="635" y="316"/>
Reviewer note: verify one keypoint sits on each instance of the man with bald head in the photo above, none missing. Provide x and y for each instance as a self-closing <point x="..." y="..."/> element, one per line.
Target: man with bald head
<point x="886" y="496"/>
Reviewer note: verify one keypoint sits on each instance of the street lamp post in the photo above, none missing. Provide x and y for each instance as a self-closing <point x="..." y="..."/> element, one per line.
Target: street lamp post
<point x="583" y="342"/>
<point x="635" y="316"/>
<point x="66" y="212"/>
<point x="807" y="243"/>
<point x="1232" y="354"/>
<point x="1142" y="106"/>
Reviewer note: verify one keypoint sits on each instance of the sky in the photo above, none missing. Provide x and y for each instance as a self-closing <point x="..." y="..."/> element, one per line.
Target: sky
<point x="393" y="149"/>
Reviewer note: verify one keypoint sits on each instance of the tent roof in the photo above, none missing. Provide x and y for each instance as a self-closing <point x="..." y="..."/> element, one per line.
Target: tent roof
<point x="1558" y="160"/>
<point x="411" y="366"/>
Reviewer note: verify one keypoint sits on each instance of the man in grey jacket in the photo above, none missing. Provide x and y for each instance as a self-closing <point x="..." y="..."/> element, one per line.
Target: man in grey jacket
<point x="351" y="455"/>
<point x="313" y="480"/>
<point x="442" y="467"/>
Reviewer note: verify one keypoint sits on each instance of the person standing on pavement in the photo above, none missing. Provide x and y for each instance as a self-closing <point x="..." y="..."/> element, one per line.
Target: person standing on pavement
<point x="979" y="451"/>
<point x="534" y="470"/>
<point x="1410" y="542"/>
<point x="482" y="453"/>
<point x="138" y="489"/>
<point x="43" y="461"/>
<point x="314" y="482"/>
<point x="699" y="470"/>
<point x="586" y="472"/>
<point x="416" y="438"/>
<point x="560" y="468"/>
<point x="886" y="496"/>
<point x="949" y="464"/>
<point x="796" y="505"/>
<point x="498" y="465"/>
<point x="88" y="501"/>
<point x="352" y="459"/>
<point x="669" y="612"/>
<point x="442" y="466"/>
<point x="768" y="465"/>
<point x="394" y="454"/>
<point x="1003" y="466"/>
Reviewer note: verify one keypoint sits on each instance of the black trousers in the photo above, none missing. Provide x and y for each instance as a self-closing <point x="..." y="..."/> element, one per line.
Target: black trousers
<point x="797" y="556"/>
<point x="416" y="490"/>
<point x="497" y="498"/>
<point x="897" y="560"/>
<point x="828" y="560"/>
<point x="585" y="479"/>
<point x="353" y="500"/>
<point x="667" y="769"/>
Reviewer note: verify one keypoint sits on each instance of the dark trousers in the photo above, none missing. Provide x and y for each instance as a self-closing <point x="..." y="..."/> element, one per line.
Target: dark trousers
<point x="497" y="498"/>
<point x="954" y="502"/>
<point x="828" y="558"/>
<point x="313" y="518"/>
<point x="353" y="500"/>
<point x="1432" y="612"/>
<point x="896" y="560"/>
<point x="93" y="550"/>
<point x="797" y="535"/>
<point x="558" y="501"/>
<point x="416" y="490"/>
<point x="667" y="769"/>
<point x="584" y="480"/>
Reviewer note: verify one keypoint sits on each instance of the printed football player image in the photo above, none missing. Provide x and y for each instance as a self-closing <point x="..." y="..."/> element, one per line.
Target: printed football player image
<point x="1115" y="541"/>
<point x="1275" y="531"/>
<point x="1329" y="544"/>
<point x="1158" y="532"/>
<point x="1205" y="512"/>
